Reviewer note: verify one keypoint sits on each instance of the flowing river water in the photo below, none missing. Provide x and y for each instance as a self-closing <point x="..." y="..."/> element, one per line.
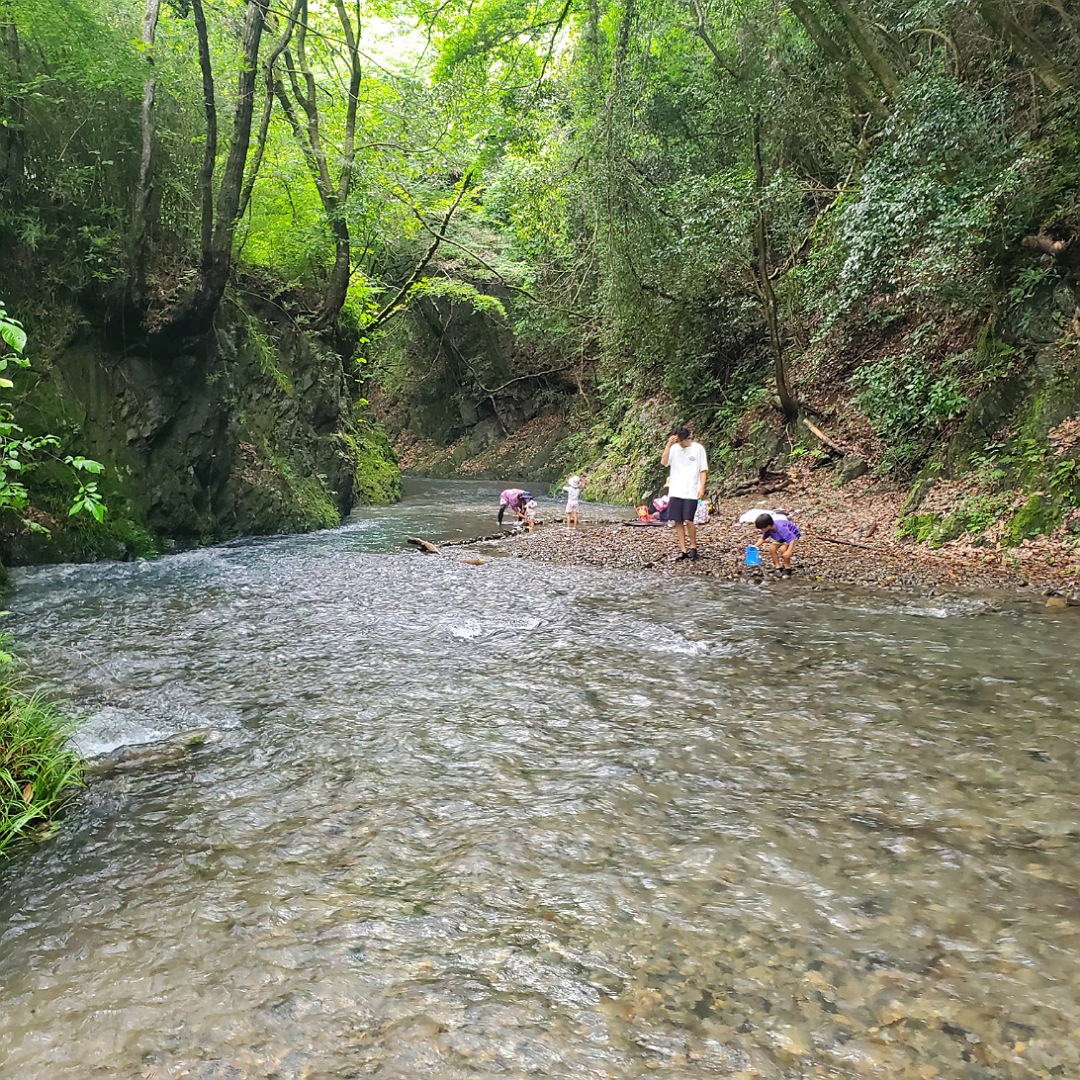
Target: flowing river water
<point x="518" y="820"/>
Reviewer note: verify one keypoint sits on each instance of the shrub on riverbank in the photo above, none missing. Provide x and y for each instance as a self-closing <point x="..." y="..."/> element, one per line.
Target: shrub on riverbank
<point x="39" y="771"/>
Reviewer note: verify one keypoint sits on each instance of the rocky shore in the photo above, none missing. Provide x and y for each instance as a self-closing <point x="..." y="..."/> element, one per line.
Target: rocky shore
<point x="849" y="538"/>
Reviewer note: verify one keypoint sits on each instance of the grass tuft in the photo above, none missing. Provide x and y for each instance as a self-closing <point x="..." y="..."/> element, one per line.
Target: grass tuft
<point x="39" y="771"/>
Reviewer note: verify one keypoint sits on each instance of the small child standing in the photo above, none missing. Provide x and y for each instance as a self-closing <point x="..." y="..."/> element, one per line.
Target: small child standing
<point x="530" y="514"/>
<point x="573" y="501"/>
<point x="780" y="536"/>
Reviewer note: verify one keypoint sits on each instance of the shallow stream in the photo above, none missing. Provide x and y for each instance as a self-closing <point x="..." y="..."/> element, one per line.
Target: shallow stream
<point x="519" y="820"/>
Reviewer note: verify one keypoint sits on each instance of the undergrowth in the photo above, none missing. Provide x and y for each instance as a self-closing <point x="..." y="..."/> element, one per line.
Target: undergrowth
<point x="39" y="771"/>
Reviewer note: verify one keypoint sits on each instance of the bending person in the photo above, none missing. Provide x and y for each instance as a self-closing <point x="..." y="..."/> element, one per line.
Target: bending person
<point x="515" y="498"/>
<point x="780" y="534"/>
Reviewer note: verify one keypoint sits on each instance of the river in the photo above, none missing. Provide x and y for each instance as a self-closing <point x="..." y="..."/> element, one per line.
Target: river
<point x="518" y="820"/>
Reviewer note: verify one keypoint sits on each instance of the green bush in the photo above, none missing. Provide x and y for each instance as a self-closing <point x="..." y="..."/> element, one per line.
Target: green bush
<point x="906" y="400"/>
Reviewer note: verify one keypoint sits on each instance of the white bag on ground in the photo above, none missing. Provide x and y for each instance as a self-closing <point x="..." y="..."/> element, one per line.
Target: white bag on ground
<point x="750" y="516"/>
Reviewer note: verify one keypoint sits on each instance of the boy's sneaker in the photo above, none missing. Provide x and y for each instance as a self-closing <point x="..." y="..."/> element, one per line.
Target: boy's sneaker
<point x="683" y="555"/>
<point x="786" y="572"/>
<point x="692" y="554"/>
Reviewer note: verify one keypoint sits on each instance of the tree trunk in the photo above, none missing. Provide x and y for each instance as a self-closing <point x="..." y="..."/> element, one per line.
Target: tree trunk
<point x="232" y="179"/>
<point x="206" y="173"/>
<point x="270" y="75"/>
<point x="768" y="294"/>
<point x="140" y="226"/>
<point x="858" y="85"/>
<point x="875" y="59"/>
<point x="337" y="288"/>
<point x="998" y="15"/>
<point x="196" y="315"/>
<point x="12" y="134"/>
<point x="334" y="196"/>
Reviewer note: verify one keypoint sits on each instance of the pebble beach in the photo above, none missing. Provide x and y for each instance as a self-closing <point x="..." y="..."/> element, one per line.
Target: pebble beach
<point x="849" y="538"/>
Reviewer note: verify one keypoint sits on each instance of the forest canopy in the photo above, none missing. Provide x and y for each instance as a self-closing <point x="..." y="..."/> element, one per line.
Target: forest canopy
<point x="681" y="198"/>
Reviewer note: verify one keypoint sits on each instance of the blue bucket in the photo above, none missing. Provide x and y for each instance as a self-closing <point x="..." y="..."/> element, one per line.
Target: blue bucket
<point x="753" y="556"/>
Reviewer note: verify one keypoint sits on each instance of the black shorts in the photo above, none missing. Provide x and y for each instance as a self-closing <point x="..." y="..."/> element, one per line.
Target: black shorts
<point x="681" y="509"/>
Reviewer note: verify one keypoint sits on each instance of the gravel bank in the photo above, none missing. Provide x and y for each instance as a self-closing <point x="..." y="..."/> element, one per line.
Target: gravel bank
<point x="849" y="538"/>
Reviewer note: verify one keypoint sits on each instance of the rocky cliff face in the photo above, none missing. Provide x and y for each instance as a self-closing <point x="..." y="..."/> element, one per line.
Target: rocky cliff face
<point x="463" y="395"/>
<point x="254" y="429"/>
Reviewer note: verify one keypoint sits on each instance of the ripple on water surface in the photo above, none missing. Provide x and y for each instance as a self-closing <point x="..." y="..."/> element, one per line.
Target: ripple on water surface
<point x="513" y="820"/>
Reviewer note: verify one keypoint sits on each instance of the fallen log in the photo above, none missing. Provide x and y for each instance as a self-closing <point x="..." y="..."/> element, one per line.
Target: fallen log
<point x="478" y="539"/>
<point x="822" y="437"/>
<point x="763" y="485"/>
<point x="846" y="543"/>
<point x="425" y="546"/>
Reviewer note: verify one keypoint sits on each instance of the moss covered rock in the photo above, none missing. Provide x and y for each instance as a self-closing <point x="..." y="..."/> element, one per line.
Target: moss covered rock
<point x="1037" y="516"/>
<point x="376" y="476"/>
<point x="250" y="430"/>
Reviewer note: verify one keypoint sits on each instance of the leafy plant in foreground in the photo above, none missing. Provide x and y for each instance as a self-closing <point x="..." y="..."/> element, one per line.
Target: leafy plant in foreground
<point x="39" y="771"/>
<point x="21" y="453"/>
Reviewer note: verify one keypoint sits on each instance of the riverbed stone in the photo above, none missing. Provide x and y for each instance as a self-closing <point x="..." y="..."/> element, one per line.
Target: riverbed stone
<point x="851" y="468"/>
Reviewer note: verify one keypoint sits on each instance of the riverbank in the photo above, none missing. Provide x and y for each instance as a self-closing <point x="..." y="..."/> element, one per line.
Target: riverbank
<point x="851" y="536"/>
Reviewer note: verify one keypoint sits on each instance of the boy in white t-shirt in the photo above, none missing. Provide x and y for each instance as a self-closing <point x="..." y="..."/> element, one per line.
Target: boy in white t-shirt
<point x="689" y="465"/>
<point x="530" y="514"/>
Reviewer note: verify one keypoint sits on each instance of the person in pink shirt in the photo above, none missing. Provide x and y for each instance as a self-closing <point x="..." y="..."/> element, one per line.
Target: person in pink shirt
<point x="515" y="498"/>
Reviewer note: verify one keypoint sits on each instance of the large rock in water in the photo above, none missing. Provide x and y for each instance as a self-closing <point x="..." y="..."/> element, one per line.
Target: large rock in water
<point x="151" y="755"/>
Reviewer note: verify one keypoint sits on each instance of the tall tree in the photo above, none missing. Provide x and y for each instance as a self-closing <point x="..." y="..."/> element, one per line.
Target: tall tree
<point x="324" y="159"/>
<point x="219" y="214"/>
<point x="12" y="134"/>
<point x="141" y="217"/>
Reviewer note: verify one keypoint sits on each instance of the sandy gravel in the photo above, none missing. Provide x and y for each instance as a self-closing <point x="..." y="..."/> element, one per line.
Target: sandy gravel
<point x="849" y="538"/>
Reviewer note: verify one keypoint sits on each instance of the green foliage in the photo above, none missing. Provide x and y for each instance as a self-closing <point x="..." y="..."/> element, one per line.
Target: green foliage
<point x="20" y="454"/>
<point x="39" y="772"/>
<point x="309" y="496"/>
<point x="460" y="292"/>
<point x="1038" y="515"/>
<point x="115" y="537"/>
<point x="906" y="400"/>
<point x="615" y="164"/>
<point x="979" y="512"/>
<point x="628" y="444"/>
<point x="950" y="178"/>
<point x="267" y="352"/>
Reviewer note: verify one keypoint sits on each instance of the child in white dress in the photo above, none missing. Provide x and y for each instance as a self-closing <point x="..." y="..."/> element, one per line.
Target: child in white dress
<point x="573" y="501"/>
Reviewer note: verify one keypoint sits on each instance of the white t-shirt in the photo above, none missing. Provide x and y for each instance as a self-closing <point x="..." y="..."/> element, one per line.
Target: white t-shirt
<point x="686" y="466"/>
<point x="573" y="496"/>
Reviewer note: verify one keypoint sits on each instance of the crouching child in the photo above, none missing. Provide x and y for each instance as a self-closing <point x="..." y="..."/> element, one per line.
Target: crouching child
<point x="779" y="536"/>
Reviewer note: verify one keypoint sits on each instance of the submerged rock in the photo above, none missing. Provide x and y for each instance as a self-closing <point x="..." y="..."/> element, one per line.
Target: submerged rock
<point x="151" y="755"/>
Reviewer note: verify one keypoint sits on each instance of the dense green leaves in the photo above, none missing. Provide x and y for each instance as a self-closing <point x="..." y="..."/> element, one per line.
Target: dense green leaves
<point x="668" y="198"/>
<point x="20" y="453"/>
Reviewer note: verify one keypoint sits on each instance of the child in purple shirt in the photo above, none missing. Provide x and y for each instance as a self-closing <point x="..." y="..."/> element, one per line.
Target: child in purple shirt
<point x="780" y="535"/>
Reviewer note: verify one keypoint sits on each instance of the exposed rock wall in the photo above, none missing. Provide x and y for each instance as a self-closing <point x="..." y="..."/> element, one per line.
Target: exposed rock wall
<point x="254" y="429"/>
